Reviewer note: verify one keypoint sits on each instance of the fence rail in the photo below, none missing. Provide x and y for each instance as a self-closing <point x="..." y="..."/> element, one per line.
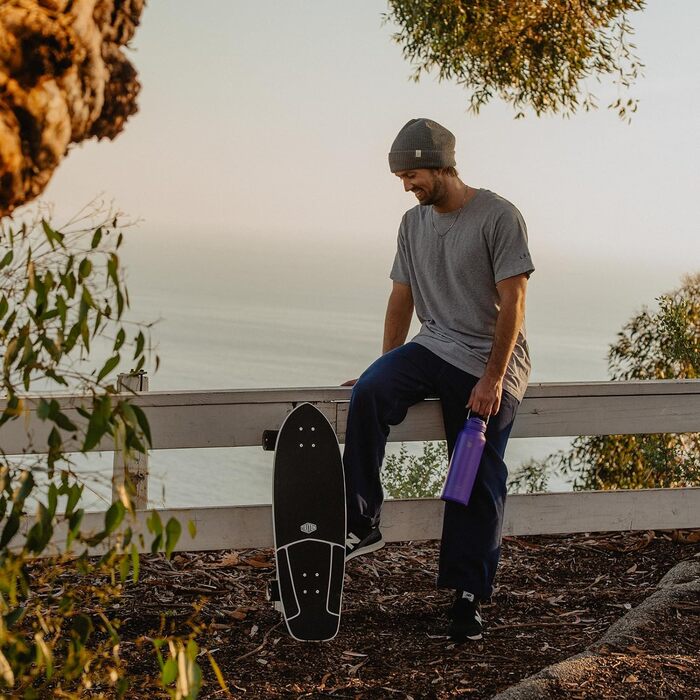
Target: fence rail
<point x="239" y="527"/>
<point x="202" y="419"/>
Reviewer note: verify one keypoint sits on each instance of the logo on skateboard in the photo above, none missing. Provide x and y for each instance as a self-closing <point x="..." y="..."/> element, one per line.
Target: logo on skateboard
<point x="308" y="528"/>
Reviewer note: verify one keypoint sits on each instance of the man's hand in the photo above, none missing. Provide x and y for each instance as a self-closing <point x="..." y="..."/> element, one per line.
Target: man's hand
<point x="485" y="398"/>
<point x="350" y="382"/>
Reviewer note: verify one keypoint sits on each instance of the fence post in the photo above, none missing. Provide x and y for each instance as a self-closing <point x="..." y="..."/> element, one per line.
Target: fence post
<point x="136" y="463"/>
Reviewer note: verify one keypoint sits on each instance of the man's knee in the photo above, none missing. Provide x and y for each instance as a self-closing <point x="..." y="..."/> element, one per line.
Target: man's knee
<point x="370" y="388"/>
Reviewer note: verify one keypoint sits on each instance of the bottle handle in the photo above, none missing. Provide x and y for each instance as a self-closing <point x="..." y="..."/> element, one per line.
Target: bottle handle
<point x="469" y="412"/>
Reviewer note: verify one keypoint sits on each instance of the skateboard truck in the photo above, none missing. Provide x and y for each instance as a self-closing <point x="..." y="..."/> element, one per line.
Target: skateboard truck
<point x="269" y="439"/>
<point x="273" y="594"/>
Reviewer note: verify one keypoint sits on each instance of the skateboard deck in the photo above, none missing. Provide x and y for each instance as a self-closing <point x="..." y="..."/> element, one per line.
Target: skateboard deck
<point x="308" y="512"/>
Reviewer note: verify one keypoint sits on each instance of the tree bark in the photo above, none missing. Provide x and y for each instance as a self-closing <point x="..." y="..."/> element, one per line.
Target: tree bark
<point x="63" y="78"/>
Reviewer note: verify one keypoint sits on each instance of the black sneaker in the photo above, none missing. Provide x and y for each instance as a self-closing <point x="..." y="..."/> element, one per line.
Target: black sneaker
<point x="357" y="544"/>
<point x="466" y="618"/>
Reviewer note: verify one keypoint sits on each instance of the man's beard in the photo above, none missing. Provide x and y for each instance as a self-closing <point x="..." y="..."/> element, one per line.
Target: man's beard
<point x="436" y="193"/>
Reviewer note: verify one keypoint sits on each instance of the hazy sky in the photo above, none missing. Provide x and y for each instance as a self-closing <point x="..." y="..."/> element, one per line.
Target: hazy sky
<point x="266" y="125"/>
<point x="272" y="120"/>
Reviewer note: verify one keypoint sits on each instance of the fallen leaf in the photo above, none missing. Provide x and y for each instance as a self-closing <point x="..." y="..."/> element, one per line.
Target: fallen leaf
<point x="257" y="564"/>
<point x="632" y="569"/>
<point x="219" y="626"/>
<point x="352" y="670"/>
<point x="525" y="544"/>
<point x="646" y="539"/>
<point x="677" y="666"/>
<point x="686" y="536"/>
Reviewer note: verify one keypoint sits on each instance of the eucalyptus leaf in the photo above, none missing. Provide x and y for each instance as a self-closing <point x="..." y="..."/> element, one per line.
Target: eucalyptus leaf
<point x="7" y="259"/>
<point x="173" y="530"/>
<point x="135" y="562"/>
<point x="109" y="366"/>
<point x="169" y="673"/>
<point x="10" y="529"/>
<point x="143" y="422"/>
<point x="154" y="524"/>
<point x="84" y="269"/>
<point x="114" y="516"/>
<point x="96" y="238"/>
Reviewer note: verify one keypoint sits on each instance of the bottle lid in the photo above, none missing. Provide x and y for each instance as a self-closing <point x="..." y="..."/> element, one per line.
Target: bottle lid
<point x="476" y="422"/>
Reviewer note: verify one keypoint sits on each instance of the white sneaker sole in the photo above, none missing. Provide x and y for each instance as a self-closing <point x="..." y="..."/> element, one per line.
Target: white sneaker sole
<point x="366" y="550"/>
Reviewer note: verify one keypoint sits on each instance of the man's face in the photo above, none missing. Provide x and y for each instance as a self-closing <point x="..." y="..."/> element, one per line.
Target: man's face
<point x="426" y="184"/>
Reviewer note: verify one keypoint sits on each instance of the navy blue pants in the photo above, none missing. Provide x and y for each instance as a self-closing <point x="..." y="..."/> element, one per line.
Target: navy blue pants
<point x="471" y="535"/>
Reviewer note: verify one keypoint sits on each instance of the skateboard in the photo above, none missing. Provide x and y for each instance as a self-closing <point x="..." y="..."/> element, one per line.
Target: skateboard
<point x="308" y="519"/>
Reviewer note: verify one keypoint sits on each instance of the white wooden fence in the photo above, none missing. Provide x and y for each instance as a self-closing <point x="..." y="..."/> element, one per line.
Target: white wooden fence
<point x="201" y="419"/>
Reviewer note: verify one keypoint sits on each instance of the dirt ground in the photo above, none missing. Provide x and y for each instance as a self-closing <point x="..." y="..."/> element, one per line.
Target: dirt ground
<point x="554" y="596"/>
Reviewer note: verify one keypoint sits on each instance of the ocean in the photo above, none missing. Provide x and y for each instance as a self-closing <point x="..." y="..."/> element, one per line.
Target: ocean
<point x="252" y="311"/>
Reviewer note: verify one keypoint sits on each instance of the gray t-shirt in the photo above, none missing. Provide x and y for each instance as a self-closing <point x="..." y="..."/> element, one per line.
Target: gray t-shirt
<point x="453" y="275"/>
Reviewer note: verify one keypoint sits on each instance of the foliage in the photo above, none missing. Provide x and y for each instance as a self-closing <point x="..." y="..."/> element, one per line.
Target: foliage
<point x="662" y="344"/>
<point x="536" y="54"/>
<point x="413" y="476"/>
<point x="180" y="674"/>
<point x="62" y="302"/>
<point x="532" y="476"/>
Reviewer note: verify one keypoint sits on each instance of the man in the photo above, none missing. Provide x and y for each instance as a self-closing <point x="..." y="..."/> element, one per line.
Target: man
<point x="462" y="263"/>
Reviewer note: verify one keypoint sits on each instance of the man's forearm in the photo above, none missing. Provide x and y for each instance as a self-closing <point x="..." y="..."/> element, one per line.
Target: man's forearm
<point x="508" y="325"/>
<point x="396" y="324"/>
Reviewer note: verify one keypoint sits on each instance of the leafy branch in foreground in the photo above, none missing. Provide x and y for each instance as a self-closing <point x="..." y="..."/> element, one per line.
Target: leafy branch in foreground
<point x="662" y="344"/>
<point x="416" y="476"/>
<point x="530" y="54"/>
<point x="62" y="326"/>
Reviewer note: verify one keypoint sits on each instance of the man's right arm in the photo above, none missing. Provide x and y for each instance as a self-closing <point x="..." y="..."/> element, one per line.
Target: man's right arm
<point x="397" y="321"/>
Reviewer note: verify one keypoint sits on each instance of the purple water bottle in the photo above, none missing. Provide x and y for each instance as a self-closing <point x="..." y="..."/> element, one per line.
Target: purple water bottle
<point x="464" y="464"/>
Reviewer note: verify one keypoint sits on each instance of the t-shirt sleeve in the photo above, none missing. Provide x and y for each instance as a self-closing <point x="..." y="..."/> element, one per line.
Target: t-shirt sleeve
<point x="399" y="270"/>
<point x="510" y="254"/>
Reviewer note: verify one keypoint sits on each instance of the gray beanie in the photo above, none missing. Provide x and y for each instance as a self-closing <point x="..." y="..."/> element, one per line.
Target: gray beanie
<point x="422" y="143"/>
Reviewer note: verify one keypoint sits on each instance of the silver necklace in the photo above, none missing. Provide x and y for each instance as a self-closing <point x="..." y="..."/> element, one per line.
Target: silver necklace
<point x="432" y="216"/>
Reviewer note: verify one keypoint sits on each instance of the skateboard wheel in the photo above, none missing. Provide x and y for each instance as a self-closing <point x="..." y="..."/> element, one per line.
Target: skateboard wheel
<point x="273" y="590"/>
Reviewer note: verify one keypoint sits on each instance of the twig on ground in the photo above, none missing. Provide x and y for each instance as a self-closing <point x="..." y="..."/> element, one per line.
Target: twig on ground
<point x="260" y="647"/>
